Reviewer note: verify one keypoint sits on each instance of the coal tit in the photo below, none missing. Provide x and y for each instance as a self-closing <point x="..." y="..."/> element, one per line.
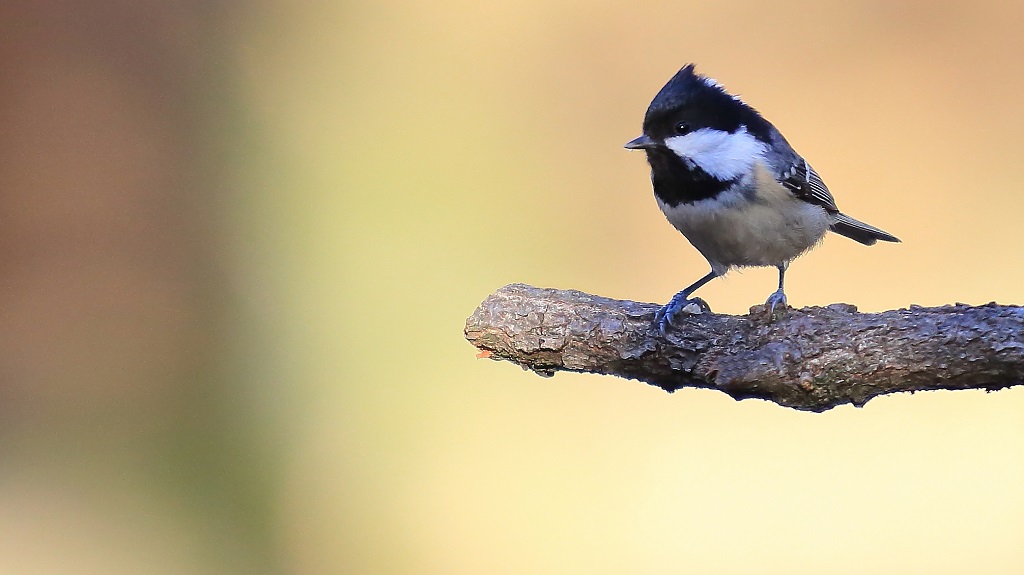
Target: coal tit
<point x="728" y="180"/>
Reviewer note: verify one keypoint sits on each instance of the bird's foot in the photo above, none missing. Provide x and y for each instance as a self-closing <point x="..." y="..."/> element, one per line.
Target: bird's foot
<point x="680" y="303"/>
<point x="776" y="299"/>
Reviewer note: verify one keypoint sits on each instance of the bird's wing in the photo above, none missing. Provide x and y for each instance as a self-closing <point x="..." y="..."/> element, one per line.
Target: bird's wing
<point x="807" y="185"/>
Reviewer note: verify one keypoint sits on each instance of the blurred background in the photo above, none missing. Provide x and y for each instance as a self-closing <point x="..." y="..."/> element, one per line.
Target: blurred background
<point x="240" y="241"/>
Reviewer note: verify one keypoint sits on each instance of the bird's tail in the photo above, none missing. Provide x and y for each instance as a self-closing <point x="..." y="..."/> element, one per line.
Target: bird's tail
<point x="858" y="231"/>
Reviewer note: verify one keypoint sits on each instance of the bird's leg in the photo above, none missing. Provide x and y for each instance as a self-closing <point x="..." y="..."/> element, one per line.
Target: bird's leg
<point x="663" y="317"/>
<point x="779" y="297"/>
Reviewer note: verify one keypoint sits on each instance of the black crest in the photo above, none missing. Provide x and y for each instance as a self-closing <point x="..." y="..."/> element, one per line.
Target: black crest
<point x="701" y="101"/>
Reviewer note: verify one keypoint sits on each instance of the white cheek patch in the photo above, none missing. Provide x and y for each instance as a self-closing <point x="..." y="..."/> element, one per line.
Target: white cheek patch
<point x="724" y="155"/>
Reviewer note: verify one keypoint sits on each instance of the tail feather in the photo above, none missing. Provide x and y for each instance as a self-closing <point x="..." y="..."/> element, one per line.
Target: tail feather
<point x="858" y="231"/>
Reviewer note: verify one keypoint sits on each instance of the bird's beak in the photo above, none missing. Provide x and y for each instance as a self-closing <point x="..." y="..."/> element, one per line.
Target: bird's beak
<point x="641" y="143"/>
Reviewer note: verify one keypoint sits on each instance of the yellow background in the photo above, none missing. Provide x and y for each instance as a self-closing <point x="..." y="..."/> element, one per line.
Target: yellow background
<point x="277" y="381"/>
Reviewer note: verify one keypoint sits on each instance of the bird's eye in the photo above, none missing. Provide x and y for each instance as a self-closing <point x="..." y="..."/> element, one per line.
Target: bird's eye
<point x="682" y="128"/>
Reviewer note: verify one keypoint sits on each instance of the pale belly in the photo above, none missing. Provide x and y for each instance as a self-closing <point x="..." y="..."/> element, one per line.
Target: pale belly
<point x="733" y="232"/>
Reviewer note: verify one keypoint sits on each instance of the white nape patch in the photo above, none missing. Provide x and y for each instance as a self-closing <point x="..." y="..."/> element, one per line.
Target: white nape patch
<point x="724" y="155"/>
<point x="712" y="83"/>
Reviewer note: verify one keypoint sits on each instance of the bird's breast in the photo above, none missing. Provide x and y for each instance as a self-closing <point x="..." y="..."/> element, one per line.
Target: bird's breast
<point x="756" y="223"/>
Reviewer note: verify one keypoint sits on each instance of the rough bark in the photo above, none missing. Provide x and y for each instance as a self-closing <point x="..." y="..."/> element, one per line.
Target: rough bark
<point x="810" y="359"/>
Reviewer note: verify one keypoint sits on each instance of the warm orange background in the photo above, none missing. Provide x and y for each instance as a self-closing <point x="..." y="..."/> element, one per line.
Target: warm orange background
<point x="240" y="242"/>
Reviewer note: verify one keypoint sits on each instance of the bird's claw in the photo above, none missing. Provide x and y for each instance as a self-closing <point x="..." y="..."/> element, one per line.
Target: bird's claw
<point x="680" y="303"/>
<point x="776" y="299"/>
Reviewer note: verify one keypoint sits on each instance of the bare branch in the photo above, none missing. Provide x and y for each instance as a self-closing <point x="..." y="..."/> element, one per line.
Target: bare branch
<point x="811" y="359"/>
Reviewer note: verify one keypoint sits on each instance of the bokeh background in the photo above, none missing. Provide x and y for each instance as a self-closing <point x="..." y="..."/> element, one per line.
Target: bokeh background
<point x="240" y="241"/>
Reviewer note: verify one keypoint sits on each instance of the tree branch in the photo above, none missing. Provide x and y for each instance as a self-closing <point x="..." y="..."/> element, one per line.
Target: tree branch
<point x="810" y="359"/>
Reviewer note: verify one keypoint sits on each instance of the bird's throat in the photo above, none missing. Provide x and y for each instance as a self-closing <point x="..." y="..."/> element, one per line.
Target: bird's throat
<point x="679" y="182"/>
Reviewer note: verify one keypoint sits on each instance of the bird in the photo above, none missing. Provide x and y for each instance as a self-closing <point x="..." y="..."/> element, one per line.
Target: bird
<point x="728" y="180"/>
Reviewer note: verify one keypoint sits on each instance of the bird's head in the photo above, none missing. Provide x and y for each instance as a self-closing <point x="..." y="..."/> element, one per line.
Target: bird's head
<point x="694" y="119"/>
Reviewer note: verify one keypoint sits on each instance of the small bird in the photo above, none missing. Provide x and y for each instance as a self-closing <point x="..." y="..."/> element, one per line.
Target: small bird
<point x="729" y="182"/>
